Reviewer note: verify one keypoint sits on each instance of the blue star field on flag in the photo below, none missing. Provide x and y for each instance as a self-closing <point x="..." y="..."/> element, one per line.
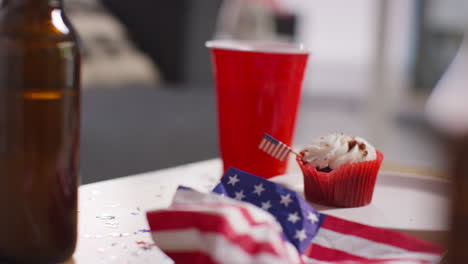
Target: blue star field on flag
<point x="300" y="222"/>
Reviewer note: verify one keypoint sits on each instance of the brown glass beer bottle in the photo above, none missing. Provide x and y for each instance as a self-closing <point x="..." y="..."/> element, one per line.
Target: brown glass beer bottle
<point x="458" y="242"/>
<point x="39" y="132"/>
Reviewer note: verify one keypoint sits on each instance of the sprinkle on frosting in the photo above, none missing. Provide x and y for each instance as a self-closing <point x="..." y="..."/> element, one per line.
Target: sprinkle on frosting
<point x="330" y="152"/>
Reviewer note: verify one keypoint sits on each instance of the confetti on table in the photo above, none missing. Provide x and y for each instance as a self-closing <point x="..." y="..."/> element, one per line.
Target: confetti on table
<point x="145" y="245"/>
<point x="112" y="224"/>
<point x="105" y="217"/>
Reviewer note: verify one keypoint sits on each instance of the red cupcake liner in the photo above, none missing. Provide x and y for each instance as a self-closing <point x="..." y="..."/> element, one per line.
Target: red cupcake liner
<point x="350" y="185"/>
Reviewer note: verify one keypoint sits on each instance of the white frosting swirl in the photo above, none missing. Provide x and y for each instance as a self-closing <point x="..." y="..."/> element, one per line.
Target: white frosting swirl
<point x="338" y="149"/>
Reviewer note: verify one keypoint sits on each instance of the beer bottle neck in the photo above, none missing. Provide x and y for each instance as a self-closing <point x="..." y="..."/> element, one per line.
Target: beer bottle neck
<point x="34" y="3"/>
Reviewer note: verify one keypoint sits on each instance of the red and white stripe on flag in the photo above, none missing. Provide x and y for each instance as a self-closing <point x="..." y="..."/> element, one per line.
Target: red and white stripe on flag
<point x="275" y="148"/>
<point x="209" y="228"/>
<point x="342" y="241"/>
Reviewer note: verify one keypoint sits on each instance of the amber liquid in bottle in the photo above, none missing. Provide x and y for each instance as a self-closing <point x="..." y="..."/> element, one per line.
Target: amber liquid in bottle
<point x="39" y="132"/>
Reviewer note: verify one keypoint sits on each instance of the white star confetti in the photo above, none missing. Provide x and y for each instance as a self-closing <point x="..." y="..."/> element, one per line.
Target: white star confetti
<point x="239" y="195"/>
<point x="286" y="200"/>
<point x="312" y="217"/>
<point x="233" y="180"/>
<point x="293" y="218"/>
<point x="266" y="205"/>
<point x="300" y="235"/>
<point x="259" y="189"/>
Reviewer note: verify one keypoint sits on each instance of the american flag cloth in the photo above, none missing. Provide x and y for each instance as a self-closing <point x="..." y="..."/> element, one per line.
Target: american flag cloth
<point x="254" y="220"/>
<point x="274" y="147"/>
<point x="208" y="228"/>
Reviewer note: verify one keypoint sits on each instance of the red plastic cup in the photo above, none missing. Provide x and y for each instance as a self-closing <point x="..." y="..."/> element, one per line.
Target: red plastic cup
<point x="258" y="88"/>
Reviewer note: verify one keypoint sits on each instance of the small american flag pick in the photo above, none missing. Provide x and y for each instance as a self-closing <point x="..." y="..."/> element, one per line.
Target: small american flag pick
<point x="254" y="220"/>
<point x="275" y="148"/>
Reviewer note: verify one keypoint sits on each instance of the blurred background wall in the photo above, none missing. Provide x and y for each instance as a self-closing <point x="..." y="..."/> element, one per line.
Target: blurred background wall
<point x="149" y="98"/>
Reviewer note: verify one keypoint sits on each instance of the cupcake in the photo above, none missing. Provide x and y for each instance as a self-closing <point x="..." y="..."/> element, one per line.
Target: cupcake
<point x="340" y="170"/>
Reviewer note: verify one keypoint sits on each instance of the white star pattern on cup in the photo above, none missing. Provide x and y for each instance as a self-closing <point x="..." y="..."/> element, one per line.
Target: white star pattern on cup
<point x="312" y="217"/>
<point x="293" y="218"/>
<point x="259" y="189"/>
<point x="266" y="205"/>
<point x="286" y="200"/>
<point x="239" y="195"/>
<point x="300" y="235"/>
<point x="233" y="180"/>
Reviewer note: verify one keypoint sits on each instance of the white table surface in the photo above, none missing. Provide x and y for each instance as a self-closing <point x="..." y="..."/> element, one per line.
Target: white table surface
<point x="112" y="222"/>
<point x="112" y="226"/>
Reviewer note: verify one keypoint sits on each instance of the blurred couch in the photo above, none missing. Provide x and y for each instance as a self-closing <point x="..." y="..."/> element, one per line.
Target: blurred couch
<point x="110" y="58"/>
<point x="172" y="33"/>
